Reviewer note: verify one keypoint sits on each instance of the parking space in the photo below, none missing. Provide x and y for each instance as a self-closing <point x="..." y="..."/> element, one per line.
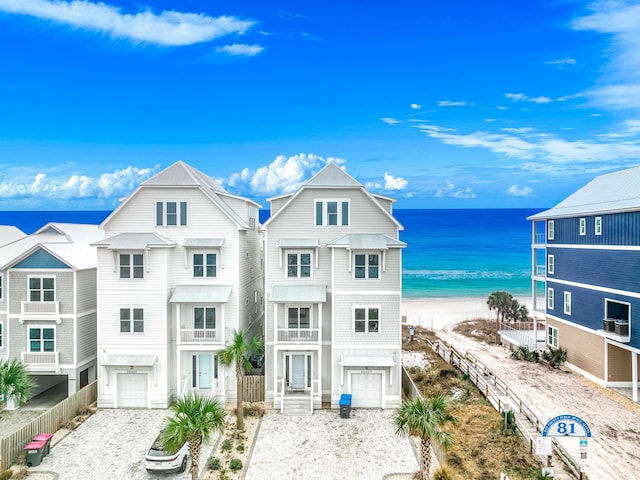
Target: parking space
<point x="110" y="444"/>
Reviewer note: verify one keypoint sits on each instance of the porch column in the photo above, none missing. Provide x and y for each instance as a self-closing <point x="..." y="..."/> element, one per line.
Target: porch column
<point x="634" y="373"/>
<point x="176" y="310"/>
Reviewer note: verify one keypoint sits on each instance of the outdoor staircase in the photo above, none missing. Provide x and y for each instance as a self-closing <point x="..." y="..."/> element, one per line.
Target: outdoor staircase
<point x="297" y="404"/>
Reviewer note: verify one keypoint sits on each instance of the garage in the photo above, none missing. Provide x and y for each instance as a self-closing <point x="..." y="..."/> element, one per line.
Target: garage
<point x="133" y="390"/>
<point x="366" y="388"/>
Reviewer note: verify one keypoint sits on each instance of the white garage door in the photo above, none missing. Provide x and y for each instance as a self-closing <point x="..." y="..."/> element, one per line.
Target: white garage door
<point x="132" y="390"/>
<point x="366" y="389"/>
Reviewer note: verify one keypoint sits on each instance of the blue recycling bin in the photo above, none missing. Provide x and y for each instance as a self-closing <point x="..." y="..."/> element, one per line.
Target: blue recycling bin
<point x="345" y="405"/>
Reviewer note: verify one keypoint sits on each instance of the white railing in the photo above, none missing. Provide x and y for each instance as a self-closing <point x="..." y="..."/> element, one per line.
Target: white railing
<point x="41" y="358"/>
<point x="540" y="305"/>
<point x="541" y="270"/>
<point x="298" y="335"/>
<point x="39" y="308"/>
<point x="540" y="238"/>
<point x="200" y="335"/>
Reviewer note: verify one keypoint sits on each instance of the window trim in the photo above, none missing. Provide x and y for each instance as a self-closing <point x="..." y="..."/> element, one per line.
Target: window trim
<point x="366" y="320"/>
<point x="205" y="265"/>
<point x="550" y="298"/>
<point x="367" y="265"/>
<point x="598" y="225"/>
<point x="41" y="290"/>
<point x="322" y="214"/>
<point x="132" y="266"/>
<point x="552" y="336"/>
<point x="550" y="264"/>
<point x="131" y="320"/>
<point x="298" y="308"/>
<point x="583" y="227"/>
<point x="42" y="339"/>
<point x="181" y="213"/>
<point x="567" y="303"/>
<point x="204" y="318"/>
<point x="298" y="253"/>
<point x="550" y="229"/>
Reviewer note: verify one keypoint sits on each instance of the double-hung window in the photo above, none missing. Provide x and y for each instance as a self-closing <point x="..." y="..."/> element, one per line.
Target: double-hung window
<point x="550" y="230"/>
<point x="131" y="265"/>
<point x="42" y="289"/>
<point x="298" y="265"/>
<point x="552" y="337"/>
<point x="205" y="265"/>
<point x="366" y="319"/>
<point x="204" y="318"/>
<point x="171" y="213"/>
<point x="42" y="339"/>
<point x="550" y="264"/>
<point x="550" y="300"/>
<point x="583" y="226"/>
<point x="598" y="225"/>
<point x="367" y="265"/>
<point x="332" y="213"/>
<point x="131" y="320"/>
<point x="567" y="303"/>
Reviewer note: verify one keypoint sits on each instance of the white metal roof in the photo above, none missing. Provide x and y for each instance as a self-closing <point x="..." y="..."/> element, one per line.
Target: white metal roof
<point x="366" y="241"/>
<point x="129" y="360"/>
<point x="9" y="233"/>
<point x="613" y="192"/>
<point x="298" y="243"/>
<point x="135" y="241"/>
<point x="204" y="243"/>
<point x="299" y="293"/>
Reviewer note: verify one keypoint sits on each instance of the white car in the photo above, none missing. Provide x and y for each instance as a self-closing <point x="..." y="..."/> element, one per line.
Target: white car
<point x="157" y="460"/>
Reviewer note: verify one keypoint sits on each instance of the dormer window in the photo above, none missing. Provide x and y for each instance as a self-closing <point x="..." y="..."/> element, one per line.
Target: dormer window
<point x="171" y="213"/>
<point x="332" y="213"/>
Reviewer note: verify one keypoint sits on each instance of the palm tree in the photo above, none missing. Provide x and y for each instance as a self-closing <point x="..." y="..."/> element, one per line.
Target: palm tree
<point x="194" y="418"/>
<point x="15" y="383"/>
<point x="237" y="352"/>
<point x="424" y="417"/>
<point x="500" y="302"/>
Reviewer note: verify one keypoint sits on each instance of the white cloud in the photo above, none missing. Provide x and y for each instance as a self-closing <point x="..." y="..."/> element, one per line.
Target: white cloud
<point x="449" y="103"/>
<point x="169" y="28"/>
<point x="394" y="183"/>
<point x="390" y="121"/>
<point x="240" y="49"/>
<point x="416" y="106"/>
<point x="283" y="175"/>
<point x="76" y="186"/>
<point x="452" y="191"/>
<point x="516" y="191"/>
<point x="540" y="100"/>
<point x="521" y="97"/>
<point x="562" y="62"/>
<point x="619" y="21"/>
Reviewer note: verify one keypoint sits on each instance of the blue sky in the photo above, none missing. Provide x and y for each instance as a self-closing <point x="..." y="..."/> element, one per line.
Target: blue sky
<point x="457" y="104"/>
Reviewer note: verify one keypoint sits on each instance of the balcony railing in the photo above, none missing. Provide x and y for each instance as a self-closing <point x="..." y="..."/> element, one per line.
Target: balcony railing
<point x="200" y="335"/>
<point x="540" y="305"/>
<point x="298" y="335"/>
<point x="541" y="270"/>
<point x="40" y="308"/>
<point x="540" y="238"/>
<point x="41" y="358"/>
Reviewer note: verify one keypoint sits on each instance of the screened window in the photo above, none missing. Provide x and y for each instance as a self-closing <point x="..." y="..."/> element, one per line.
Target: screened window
<point x="171" y="213"/>
<point x="131" y="320"/>
<point x="550" y="262"/>
<point x="366" y="320"/>
<point x="598" y="225"/>
<point x="367" y="265"/>
<point x="131" y="265"/>
<point x="332" y="213"/>
<point x="42" y="289"/>
<point x="205" y="265"/>
<point x="583" y="226"/>
<point x="204" y="318"/>
<point x="298" y="317"/>
<point x="567" y="303"/>
<point x="550" y="230"/>
<point x="298" y="265"/>
<point x="552" y="337"/>
<point x="550" y="298"/>
<point x="42" y="339"/>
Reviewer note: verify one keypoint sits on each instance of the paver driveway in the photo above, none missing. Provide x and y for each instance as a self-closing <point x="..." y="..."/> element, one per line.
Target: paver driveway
<point x="110" y="444"/>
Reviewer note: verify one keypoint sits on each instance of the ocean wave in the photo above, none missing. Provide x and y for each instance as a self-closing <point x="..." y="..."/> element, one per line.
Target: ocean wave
<point x="464" y="274"/>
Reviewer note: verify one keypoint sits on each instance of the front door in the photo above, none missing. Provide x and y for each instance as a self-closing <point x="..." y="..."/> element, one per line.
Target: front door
<point x="297" y="372"/>
<point x="201" y="371"/>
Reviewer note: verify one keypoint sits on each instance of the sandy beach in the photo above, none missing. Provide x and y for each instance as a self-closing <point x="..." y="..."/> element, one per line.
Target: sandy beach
<point x="436" y="313"/>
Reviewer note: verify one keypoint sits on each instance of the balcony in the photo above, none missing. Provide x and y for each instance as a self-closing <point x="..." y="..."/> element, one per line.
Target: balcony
<point x="41" y="360"/>
<point x="616" y="329"/>
<point x="540" y="270"/>
<point x="201" y="336"/>
<point x="298" y="335"/>
<point x="39" y="308"/>
<point x="540" y="238"/>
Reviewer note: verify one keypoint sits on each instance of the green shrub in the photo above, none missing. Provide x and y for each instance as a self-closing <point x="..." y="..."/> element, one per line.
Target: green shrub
<point x="555" y="357"/>
<point x="444" y="473"/>
<point x="214" y="463"/>
<point x="6" y="474"/>
<point x="226" y="445"/>
<point x="508" y="425"/>
<point x="235" y="464"/>
<point x="254" y="409"/>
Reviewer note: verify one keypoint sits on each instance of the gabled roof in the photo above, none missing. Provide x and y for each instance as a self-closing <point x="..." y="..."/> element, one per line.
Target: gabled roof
<point x="180" y="174"/>
<point x="68" y="242"/>
<point x="613" y="192"/>
<point x="9" y="233"/>
<point x="332" y="176"/>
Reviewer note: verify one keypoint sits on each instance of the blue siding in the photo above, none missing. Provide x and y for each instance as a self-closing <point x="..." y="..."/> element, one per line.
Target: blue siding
<point x="604" y="268"/>
<point x="587" y="308"/>
<point x="41" y="259"/>
<point x="617" y="229"/>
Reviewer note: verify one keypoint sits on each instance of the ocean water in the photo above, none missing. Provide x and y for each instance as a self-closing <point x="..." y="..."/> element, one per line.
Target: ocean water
<point x="450" y="253"/>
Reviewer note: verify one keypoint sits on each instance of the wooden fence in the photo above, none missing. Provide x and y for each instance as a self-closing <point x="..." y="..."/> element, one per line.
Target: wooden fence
<point x="253" y="388"/>
<point x="12" y="446"/>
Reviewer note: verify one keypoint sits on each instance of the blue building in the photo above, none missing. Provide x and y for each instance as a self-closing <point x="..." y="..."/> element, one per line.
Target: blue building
<point x="586" y="278"/>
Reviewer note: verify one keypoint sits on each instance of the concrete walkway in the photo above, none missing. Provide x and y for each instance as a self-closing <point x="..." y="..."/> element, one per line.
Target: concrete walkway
<point x="325" y="446"/>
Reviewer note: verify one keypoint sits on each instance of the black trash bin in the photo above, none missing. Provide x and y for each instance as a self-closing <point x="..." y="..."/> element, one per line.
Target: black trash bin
<point x="34" y="451"/>
<point x="345" y="405"/>
<point x="44" y="437"/>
